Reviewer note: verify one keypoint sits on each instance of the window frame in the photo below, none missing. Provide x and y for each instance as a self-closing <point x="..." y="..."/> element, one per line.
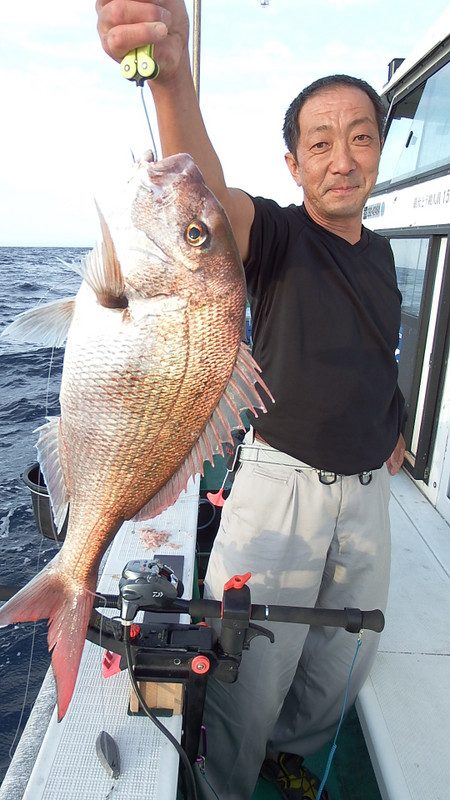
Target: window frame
<point x="434" y="172"/>
<point x="418" y="463"/>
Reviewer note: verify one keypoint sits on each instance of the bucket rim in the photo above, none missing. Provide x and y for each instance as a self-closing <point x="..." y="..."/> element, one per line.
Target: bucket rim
<point x="35" y="488"/>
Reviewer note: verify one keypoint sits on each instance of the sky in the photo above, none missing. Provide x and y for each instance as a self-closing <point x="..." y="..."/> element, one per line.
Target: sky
<point x="69" y="121"/>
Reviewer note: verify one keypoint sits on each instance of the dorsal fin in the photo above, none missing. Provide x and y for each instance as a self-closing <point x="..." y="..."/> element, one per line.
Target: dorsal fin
<point x="103" y="272"/>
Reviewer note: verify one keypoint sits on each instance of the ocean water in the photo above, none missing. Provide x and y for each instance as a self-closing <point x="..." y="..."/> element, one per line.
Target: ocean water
<point x="29" y="389"/>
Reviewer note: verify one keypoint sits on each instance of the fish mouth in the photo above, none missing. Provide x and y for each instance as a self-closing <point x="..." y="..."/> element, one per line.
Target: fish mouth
<point x="153" y="174"/>
<point x="156" y="173"/>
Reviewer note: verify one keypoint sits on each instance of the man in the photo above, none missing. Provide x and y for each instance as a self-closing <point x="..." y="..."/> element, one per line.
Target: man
<point x="308" y="512"/>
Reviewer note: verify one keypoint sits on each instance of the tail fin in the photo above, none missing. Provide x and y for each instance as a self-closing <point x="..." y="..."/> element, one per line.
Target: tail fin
<point x="67" y="606"/>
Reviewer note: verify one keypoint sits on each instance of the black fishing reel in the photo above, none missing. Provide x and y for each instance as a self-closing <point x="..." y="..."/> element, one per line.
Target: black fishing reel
<point x="148" y="586"/>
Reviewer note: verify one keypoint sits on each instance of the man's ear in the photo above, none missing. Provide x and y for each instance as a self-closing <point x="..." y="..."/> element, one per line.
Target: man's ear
<point x="292" y="166"/>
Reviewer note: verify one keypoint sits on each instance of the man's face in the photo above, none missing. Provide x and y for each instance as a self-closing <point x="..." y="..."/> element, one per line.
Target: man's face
<point x="337" y="154"/>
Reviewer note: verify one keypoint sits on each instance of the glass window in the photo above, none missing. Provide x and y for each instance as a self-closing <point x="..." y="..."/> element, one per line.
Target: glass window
<point x="418" y="138"/>
<point x="410" y="261"/>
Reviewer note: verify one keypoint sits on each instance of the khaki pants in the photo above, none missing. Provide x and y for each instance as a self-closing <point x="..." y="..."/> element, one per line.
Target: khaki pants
<point x="306" y="544"/>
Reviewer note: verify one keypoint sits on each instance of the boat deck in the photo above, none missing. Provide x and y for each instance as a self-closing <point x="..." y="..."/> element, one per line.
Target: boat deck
<point x="404" y="707"/>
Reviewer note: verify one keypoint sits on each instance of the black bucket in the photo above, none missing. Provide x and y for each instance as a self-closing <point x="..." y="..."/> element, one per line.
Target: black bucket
<point x="34" y="479"/>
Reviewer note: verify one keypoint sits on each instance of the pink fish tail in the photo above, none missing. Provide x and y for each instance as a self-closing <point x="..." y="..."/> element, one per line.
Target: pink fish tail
<point x="67" y="606"/>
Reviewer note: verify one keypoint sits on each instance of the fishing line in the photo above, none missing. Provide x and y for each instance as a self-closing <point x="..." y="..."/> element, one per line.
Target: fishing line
<point x="47" y="394"/>
<point x="41" y="543"/>
<point x="30" y="664"/>
<point x="49" y="374"/>
<point x="203" y="774"/>
<point x="333" y="747"/>
<point x="155" y="152"/>
<point x="102" y="687"/>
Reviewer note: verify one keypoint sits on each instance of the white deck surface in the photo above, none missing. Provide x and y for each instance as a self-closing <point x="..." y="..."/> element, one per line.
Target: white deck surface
<point x="404" y="707"/>
<point x="67" y="766"/>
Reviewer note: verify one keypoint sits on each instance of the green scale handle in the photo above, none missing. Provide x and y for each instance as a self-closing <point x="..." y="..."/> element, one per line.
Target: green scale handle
<point x="139" y="65"/>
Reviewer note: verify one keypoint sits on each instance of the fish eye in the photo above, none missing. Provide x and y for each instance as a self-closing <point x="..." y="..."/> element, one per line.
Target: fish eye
<point x="196" y="233"/>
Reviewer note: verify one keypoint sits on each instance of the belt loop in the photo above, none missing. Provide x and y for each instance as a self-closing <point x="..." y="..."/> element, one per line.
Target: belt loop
<point x="236" y="459"/>
<point x="249" y="437"/>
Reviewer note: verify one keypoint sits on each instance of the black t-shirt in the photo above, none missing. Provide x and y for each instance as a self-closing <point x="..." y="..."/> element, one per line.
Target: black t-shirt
<point x="326" y="318"/>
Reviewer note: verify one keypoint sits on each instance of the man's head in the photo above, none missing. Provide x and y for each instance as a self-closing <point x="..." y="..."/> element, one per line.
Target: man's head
<point x="291" y="129"/>
<point x="333" y="132"/>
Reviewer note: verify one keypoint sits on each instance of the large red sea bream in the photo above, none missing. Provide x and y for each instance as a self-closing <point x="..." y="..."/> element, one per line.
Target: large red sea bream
<point x="154" y="378"/>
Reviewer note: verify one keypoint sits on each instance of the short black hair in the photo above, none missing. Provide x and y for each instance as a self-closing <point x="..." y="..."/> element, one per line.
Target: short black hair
<point x="291" y="129"/>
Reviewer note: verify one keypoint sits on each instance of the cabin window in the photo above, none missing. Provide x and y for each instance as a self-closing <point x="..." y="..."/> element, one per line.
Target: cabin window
<point x="423" y="278"/>
<point x="410" y="262"/>
<point x="418" y="138"/>
<point x="410" y="257"/>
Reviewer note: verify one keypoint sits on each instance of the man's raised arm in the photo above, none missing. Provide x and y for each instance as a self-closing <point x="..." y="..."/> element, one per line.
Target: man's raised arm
<point x="124" y="25"/>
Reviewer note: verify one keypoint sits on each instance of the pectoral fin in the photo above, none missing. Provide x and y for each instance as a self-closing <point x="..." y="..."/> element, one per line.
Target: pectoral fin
<point x="48" y="448"/>
<point x="45" y="325"/>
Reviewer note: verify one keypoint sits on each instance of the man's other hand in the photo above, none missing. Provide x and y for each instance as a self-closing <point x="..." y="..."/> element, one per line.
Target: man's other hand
<point x="395" y="462"/>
